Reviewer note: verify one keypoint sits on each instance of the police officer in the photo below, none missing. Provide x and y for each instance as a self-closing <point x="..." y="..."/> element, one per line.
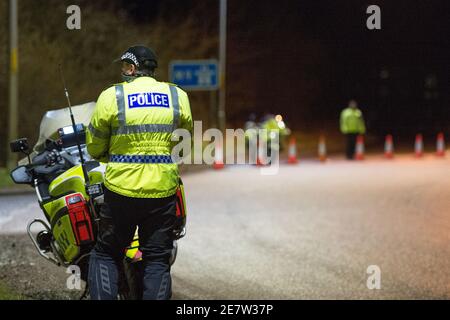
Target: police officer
<point x="131" y="130"/>
<point x="352" y="124"/>
<point x="275" y="123"/>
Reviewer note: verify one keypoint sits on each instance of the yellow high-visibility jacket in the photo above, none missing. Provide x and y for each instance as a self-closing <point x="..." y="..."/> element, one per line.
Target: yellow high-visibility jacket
<point x="352" y="121"/>
<point x="131" y="130"/>
<point x="270" y="125"/>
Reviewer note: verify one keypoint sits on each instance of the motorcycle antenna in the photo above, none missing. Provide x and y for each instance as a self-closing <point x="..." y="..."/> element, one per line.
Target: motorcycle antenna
<point x="77" y="139"/>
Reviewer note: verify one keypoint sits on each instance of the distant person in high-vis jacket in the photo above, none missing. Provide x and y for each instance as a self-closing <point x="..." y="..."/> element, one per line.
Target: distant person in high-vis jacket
<point x="131" y="130"/>
<point x="352" y="125"/>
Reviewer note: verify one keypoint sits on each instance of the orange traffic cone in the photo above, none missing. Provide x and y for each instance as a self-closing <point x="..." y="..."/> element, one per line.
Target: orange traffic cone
<point x="418" y="145"/>
<point x="261" y="150"/>
<point x="292" y="152"/>
<point x="389" y="147"/>
<point x="359" y="147"/>
<point x="218" y="157"/>
<point x="322" y="148"/>
<point x="440" y="145"/>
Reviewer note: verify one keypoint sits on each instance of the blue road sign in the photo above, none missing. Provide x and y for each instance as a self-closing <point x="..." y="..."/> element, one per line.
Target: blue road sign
<point x="195" y="74"/>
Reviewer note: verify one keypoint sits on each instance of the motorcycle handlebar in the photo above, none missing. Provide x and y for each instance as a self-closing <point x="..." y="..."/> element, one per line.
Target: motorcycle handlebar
<point x="40" y="159"/>
<point x="48" y="158"/>
<point x="42" y="169"/>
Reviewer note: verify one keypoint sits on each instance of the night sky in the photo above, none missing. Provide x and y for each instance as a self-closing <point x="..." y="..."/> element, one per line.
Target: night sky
<point x="302" y="59"/>
<point x="315" y="56"/>
<point x="306" y="59"/>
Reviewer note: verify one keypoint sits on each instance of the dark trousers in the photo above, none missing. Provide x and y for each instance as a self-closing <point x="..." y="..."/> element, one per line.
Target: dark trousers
<point x="351" y="145"/>
<point x="119" y="217"/>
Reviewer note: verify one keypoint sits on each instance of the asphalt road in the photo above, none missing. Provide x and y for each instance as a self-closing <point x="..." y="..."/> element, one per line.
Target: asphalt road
<point x="309" y="232"/>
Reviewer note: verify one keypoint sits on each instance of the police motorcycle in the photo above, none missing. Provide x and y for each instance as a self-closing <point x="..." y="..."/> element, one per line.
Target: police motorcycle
<point x="71" y="203"/>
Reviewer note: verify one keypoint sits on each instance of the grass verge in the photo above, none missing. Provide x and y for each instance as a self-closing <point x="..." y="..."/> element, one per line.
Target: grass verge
<point x="7" y="294"/>
<point x="5" y="179"/>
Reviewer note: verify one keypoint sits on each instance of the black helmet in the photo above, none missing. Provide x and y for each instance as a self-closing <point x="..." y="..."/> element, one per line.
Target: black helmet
<point x="142" y="57"/>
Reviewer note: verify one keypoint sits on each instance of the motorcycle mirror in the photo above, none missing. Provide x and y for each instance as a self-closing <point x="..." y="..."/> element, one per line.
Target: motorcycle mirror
<point x="20" y="175"/>
<point x="19" y="145"/>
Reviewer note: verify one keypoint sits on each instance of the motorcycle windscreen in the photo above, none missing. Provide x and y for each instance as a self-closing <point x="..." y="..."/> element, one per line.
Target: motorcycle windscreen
<point x="55" y="119"/>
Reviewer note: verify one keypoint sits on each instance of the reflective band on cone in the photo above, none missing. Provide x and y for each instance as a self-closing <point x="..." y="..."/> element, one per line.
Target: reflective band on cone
<point x="389" y="147"/>
<point x="218" y="158"/>
<point x="418" y="145"/>
<point x="440" y="145"/>
<point x="322" y="149"/>
<point x="360" y="147"/>
<point x="292" y="152"/>
<point x="261" y="152"/>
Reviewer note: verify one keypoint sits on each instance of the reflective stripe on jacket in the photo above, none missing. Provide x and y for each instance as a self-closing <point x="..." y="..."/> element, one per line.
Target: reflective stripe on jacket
<point x="131" y="130"/>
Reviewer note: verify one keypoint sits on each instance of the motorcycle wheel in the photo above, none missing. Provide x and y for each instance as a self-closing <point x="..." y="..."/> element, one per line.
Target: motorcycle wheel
<point x="133" y="276"/>
<point x="133" y="289"/>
